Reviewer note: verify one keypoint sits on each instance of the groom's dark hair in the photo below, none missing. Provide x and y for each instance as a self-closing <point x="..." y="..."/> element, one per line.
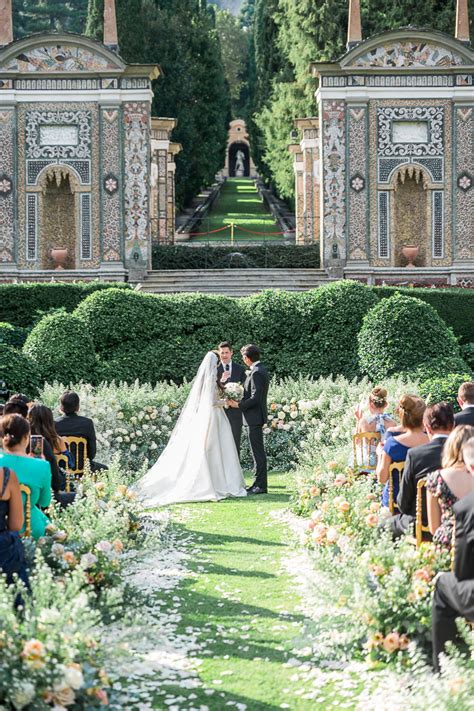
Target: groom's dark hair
<point x="225" y="344"/>
<point x="251" y="352"/>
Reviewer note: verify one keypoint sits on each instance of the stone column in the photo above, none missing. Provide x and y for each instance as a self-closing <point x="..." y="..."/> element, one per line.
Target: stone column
<point x="174" y="149"/>
<point x="162" y="185"/>
<point x="298" y="166"/>
<point x="307" y="167"/>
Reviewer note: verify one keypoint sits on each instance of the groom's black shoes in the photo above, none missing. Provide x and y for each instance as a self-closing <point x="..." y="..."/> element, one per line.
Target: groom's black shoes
<point x="256" y="490"/>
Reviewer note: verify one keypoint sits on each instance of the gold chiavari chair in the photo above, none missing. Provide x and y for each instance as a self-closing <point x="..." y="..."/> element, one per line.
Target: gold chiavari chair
<point x="420" y="527"/>
<point x="63" y="463"/>
<point x="27" y="506"/>
<point x="78" y="448"/>
<point x="397" y="467"/>
<point x="364" y="445"/>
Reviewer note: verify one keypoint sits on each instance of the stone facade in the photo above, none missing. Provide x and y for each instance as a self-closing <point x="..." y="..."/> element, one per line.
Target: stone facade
<point x="163" y="151"/>
<point x="396" y="144"/>
<point x="238" y="136"/>
<point x="75" y="160"/>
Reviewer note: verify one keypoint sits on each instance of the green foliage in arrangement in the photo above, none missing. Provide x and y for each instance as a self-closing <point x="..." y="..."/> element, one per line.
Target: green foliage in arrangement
<point x="21" y="304"/>
<point x="62" y="348"/>
<point x="12" y="335"/>
<point x="455" y="306"/>
<point x="402" y="333"/>
<point x="443" y="388"/>
<point x="18" y="371"/>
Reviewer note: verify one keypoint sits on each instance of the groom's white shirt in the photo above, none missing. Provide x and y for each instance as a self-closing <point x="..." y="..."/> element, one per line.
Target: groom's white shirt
<point x="224" y="366"/>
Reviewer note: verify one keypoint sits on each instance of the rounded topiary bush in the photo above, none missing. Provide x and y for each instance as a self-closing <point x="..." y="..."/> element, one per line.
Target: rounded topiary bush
<point x="12" y="335"/>
<point x="336" y="312"/>
<point x="18" y="372"/>
<point x="401" y="333"/>
<point x="62" y="349"/>
<point x="443" y="388"/>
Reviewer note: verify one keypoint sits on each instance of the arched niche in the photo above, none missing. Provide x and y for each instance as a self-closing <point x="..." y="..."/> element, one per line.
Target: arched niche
<point x="412" y="222"/>
<point x="239" y="149"/>
<point x="59" y="215"/>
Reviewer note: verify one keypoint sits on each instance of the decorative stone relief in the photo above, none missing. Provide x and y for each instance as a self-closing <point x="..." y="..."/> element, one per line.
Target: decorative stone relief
<point x="334" y="154"/>
<point x="111" y="200"/>
<point x="137" y="143"/>
<point x="409" y="54"/>
<point x="58" y="134"/>
<point x="357" y="159"/>
<point x="400" y="129"/>
<point x="7" y="195"/>
<point x="464" y="194"/>
<point x="59" y="58"/>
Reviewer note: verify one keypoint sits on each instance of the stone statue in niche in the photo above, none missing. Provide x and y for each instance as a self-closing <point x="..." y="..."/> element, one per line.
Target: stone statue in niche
<point x="239" y="164"/>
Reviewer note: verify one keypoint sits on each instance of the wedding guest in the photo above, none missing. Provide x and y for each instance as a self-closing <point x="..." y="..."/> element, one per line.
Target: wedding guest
<point x="448" y="485"/>
<point x="466" y="403"/>
<point x="438" y="421"/>
<point x="16" y="407"/>
<point x="41" y="422"/>
<point x="34" y="473"/>
<point x="71" y="424"/>
<point x="454" y="592"/>
<point x="379" y="420"/>
<point x="411" y="409"/>
<point x="230" y="372"/>
<point x="12" y="555"/>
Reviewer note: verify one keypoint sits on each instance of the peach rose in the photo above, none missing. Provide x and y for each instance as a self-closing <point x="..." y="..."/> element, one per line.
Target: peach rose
<point x="332" y="535"/>
<point x="424" y="574"/>
<point x="314" y="491"/>
<point x="375" y="641"/>
<point x="33" y="653"/>
<point x="118" y="545"/>
<point x="63" y="695"/>
<point x="325" y="506"/>
<point x="101" y="695"/>
<point x="332" y="465"/>
<point x="404" y="642"/>
<point x="319" y="533"/>
<point x="371" y="520"/>
<point x="311" y="525"/>
<point x="374" y="507"/>
<point x="391" y="642"/>
<point x="69" y="558"/>
<point x="343" y="506"/>
<point x="340" y="480"/>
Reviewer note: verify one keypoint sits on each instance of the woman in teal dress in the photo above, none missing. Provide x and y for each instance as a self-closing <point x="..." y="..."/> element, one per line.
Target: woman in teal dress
<point x="34" y="473"/>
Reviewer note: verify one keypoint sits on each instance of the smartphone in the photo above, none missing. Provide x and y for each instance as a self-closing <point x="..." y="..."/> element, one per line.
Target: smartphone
<point x="36" y="445"/>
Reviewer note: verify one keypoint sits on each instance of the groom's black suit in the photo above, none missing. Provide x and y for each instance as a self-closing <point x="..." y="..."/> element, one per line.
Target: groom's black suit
<point x="254" y="408"/>
<point x="237" y="375"/>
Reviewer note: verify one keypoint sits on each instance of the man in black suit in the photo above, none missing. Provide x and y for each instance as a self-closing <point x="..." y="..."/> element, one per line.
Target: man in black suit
<point x="438" y="421"/>
<point x="254" y="409"/>
<point x="71" y="424"/>
<point x="454" y="593"/>
<point x="230" y="372"/>
<point x="466" y="403"/>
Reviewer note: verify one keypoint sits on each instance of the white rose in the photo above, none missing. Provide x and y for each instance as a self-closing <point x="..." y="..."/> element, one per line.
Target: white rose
<point x="287" y="427"/>
<point x="119" y="439"/>
<point x="88" y="560"/>
<point x="165" y="409"/>
<point x="73" y="677"/>
<point x="103" y="546"/>
<point x="168" y="418"/>
<point x="294" y="414"/>
<point x="57" y="550"/>
<point x="23" y="695"/>
<point x="119" y="415"/>
<point x="132" y="435"/>
<point x="266" y="430"/>
<point x="133" y="447"/>
<point x="63" y="695"/>
<point x="286" y="408"/>
<point x="153" y="445"/>
<point x="126" y="439"/>
<point x="281" y="415"/>
<point x="139" y="433"/>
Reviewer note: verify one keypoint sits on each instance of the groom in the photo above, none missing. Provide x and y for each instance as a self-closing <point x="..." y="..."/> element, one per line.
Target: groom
<point x="230" y="372"/>
<point x="254" y="409"/>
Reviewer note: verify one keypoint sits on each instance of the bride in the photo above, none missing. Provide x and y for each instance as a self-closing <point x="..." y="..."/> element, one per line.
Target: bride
<point x="200" y="461"/>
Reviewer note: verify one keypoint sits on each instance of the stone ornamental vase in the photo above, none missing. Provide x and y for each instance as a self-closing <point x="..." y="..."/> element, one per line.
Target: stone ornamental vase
<point x="410" y="252"/>
<point x="59" y="255"/>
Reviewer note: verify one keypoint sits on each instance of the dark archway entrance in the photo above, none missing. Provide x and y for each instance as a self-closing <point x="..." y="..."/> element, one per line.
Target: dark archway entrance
<point x="239" y="154"/>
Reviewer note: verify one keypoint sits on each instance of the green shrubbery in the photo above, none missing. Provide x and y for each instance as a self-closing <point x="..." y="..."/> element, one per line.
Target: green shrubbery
<point x="12" y="335"/>
<point x="401" y="334"/>
<point x="62" y="349"/>
<point x="268" y="256"/>
<point x="439" y="388"/>
<point x="18" y="371"/>
<point x="21" y="303"/>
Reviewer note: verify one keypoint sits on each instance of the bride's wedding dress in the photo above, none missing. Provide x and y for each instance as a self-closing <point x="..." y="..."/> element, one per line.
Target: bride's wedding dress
<point x="200" y="461"/>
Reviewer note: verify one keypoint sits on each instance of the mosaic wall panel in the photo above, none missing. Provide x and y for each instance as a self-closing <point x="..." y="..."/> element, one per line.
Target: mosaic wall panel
<point x="409" y="54"/>
<point x="334" y="179"/>
<point x="437" y="216"/>
<point x="357" y="117"/>
<point x="464" y="177"/>
<point x="88" y="146"/>
<point x="59" y="58"/>
<point x="435" y="157"/>
<point x="110" y="178"/>
<point x="32" y="226"/>
<point x="137" y="142"/>
<point x="171" y="207"/>
<point x="7" y="186"/>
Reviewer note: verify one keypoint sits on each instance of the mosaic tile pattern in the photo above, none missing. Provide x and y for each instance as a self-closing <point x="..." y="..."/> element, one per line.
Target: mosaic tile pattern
<point x="334" y="177"/>
<point x="136" y="189"/>
<point x="464" y="193"/>
<point x="111" y="197"/>
<point x="7" y="210"/>
<point x="357" y="157"/>
<point x="59" y="58"/>
<point x="409" y="54"/>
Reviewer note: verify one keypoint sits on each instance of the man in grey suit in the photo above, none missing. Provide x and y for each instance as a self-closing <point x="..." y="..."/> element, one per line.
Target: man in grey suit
<point x="230" y="372"/>
<point x="254" y="409"/>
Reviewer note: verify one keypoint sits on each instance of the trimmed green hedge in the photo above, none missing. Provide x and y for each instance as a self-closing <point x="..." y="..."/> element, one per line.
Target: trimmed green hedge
<point x="20" y="303"/>
<point x="443" y="388"/>
<point x="12" y="335"/>
<point x="274" y="256"/>
<point x="403" y="334"/>
<point x="455" y="306"/>
<point x="19" y="372"/>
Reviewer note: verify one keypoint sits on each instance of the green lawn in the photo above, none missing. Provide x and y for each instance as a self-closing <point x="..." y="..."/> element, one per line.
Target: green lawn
<point x="239" y="203"/>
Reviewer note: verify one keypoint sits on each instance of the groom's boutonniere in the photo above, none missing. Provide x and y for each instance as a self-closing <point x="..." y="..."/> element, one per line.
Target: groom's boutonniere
<point x="248" y="372"/>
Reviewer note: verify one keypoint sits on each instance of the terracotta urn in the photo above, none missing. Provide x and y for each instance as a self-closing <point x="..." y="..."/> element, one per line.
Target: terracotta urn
<point x="59" y="256"/>
<point x="410" y="252"/>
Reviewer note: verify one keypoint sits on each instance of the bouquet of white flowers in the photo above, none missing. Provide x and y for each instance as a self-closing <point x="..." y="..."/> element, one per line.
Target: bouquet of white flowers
<point x="233" y="391"/>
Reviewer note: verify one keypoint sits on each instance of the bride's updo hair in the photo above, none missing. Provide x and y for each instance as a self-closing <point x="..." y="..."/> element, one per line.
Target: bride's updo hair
<point x="378" y="397"/>
<point x="412" y="409"/>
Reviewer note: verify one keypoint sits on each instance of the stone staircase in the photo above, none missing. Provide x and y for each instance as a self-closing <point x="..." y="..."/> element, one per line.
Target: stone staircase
<point x="231" y="282"/>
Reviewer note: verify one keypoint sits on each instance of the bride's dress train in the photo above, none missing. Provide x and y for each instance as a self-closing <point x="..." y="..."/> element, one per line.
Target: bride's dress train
<point x="200" y="461"/>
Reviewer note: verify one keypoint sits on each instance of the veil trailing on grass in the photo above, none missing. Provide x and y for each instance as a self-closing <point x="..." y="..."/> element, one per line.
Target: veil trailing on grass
<point x="200" y="461"/>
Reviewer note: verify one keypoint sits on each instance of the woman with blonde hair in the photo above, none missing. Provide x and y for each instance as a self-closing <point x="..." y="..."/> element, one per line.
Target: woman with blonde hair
<point x="411" y="409"/>
<point x="447" y="485"/>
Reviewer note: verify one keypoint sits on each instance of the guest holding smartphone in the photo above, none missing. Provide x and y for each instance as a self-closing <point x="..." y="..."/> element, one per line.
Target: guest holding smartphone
<point x="34" y="473"/>
<point x="12" y="555"/>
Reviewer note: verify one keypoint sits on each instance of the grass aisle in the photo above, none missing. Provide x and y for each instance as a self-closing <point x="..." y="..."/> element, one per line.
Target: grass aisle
<point x="240" y="203"/>
<point x="241" y="605"/>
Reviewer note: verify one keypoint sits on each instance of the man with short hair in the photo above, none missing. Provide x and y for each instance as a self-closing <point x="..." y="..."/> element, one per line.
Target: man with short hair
<point x="466" y="403"/>
<point x="254" y="410"/>
<point x="71" y="424"/>
<point x="439" y="422"/>
<point x="230" y="372"/>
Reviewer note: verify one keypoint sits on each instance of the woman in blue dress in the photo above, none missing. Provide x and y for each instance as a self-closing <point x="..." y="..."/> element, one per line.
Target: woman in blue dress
<point x="12" y="556"/>
<point x="34" y="473"/>
<point x="411" y="410"/>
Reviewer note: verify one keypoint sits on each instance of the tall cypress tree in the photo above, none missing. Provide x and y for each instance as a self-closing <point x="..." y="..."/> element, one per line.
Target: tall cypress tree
<point x="48" y="16"/>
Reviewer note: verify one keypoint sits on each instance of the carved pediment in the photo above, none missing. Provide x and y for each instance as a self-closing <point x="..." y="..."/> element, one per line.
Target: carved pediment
<point x="58" y="53"/>
<point x="409" y="49"/>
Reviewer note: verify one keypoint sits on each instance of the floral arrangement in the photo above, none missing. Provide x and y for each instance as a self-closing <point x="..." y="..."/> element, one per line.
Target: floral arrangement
<point x="233" y="391"/>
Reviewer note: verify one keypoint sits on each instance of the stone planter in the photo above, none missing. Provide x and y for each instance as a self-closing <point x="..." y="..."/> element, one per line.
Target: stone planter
<point x="410" y="252"/>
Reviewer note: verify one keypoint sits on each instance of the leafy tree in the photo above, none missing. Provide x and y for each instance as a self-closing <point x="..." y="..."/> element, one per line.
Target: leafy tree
<point x="48" y="16"/>
<point x="234" y="48"/>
